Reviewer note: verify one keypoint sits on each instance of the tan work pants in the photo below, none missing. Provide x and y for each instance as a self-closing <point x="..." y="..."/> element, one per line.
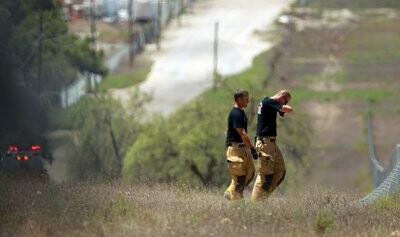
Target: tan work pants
<point x="241" y="170"/>
<point x="271" y="169"/>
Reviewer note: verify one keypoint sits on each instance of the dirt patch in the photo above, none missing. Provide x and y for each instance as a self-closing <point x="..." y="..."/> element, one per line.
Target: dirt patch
<point x="107" y="33"/>
<point x="387" y="136"/>
<point x="337" y="130"/>
<point x="325" y="86"/>
<point x="60" y="142"/>
<point x="110" y="37"/>
<point x="143" y="60"/>
<point x="324" y="116"/>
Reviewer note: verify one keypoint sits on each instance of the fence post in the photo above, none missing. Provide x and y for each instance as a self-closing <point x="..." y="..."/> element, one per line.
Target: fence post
<point x="376" y="169"/>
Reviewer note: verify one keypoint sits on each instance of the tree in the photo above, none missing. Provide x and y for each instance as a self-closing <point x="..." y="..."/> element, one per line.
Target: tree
<point x="201" y="134"/>
<point x="187" y="147"/>
<point x="105" y="129"/>
<point x="23" y="113"/>
<point x="80" y="55"/>
<point x="36" y="62"/>
<point x="153" y="156"/>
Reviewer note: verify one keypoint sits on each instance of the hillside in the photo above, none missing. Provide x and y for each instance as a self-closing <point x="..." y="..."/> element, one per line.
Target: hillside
<point x="335" y="61"/>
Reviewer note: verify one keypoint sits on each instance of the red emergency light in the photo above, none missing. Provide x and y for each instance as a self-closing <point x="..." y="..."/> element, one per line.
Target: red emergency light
<point x="13" y="148"/>
<point x="35" y="148"/>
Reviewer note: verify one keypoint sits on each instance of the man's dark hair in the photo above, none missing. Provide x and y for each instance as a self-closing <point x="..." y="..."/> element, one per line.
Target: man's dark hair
<point x="240" y="93"/>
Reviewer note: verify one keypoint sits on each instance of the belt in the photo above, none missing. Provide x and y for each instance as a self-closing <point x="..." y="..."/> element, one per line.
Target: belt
<point x="267" y="138"/>
<point x="236" y="144"/>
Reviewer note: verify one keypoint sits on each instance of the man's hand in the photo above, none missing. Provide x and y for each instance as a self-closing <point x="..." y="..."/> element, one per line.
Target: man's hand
<point x="254" y="153"/>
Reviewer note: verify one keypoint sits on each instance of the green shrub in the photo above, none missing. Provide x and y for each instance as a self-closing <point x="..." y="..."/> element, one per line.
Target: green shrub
<point x="388" y="204"/>
<point x="123" y="80"/>
<point x="323" y="221"/>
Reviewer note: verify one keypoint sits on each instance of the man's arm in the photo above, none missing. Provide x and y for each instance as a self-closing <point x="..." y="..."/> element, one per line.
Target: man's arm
<point x="245" y="137"/>
<point x="286" y="109"/>
<point x="246" y="141"/>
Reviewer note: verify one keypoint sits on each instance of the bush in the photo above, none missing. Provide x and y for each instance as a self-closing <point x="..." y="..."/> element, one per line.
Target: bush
<point x="323" y="221"/>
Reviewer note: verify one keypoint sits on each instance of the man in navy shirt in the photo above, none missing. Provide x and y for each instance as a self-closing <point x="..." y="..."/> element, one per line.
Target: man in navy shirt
<point x="240" y="151"/>
<point x="271" y="166"/>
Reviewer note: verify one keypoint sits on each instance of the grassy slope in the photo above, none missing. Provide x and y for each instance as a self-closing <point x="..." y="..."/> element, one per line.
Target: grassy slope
<point x="123" y="80"/>
<point x="373" y="62"/>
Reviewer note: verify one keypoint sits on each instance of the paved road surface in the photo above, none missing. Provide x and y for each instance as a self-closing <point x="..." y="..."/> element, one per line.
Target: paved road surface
<point x="183" y="67"/>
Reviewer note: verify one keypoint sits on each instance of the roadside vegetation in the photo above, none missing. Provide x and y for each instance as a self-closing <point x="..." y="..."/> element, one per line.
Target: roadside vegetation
<point x="102" y="130"/>
<point x="124" y="80"/>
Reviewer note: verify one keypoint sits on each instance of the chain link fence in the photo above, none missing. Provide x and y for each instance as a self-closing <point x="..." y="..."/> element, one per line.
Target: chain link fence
<point x="385" y="180"/>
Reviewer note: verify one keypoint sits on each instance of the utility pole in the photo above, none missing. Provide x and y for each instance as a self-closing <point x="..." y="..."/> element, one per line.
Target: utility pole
<point x="303" y="3"/>
<point x="215" y="70"/>
<point x="130" y="30"/>
<point x="180" y="12"/>
<point x="40" y="51"/>
<point x="158" y="22"/>
<point x="93" y="39"/>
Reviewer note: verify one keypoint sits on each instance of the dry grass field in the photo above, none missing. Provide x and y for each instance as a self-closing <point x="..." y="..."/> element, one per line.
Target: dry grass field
<point x="120" y="209"/>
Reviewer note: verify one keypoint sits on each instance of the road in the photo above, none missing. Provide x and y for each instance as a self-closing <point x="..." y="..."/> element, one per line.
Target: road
<point x="182" y="69"/>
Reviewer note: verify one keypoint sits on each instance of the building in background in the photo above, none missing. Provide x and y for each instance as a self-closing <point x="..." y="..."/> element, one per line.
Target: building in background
<point x="142" y="10"/>
<point x="111" y="7"/>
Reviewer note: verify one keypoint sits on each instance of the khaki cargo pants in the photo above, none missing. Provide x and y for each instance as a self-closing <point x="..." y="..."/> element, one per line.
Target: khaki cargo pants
<point x="241" y="170"/>
<point x="271" y="169"/>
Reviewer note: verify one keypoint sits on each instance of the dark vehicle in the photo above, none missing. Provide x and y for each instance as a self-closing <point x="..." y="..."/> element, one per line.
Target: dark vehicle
<point x="25" y="161"/>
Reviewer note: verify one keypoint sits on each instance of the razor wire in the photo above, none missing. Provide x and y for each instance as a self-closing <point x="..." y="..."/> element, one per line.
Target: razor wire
<point x="390" y="184"/>
<point x="387" y="180"/>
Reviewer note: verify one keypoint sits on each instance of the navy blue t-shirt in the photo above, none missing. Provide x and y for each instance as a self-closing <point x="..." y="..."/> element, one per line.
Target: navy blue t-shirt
<point x="237" y="119"/>
<point x="266" y="118"/>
